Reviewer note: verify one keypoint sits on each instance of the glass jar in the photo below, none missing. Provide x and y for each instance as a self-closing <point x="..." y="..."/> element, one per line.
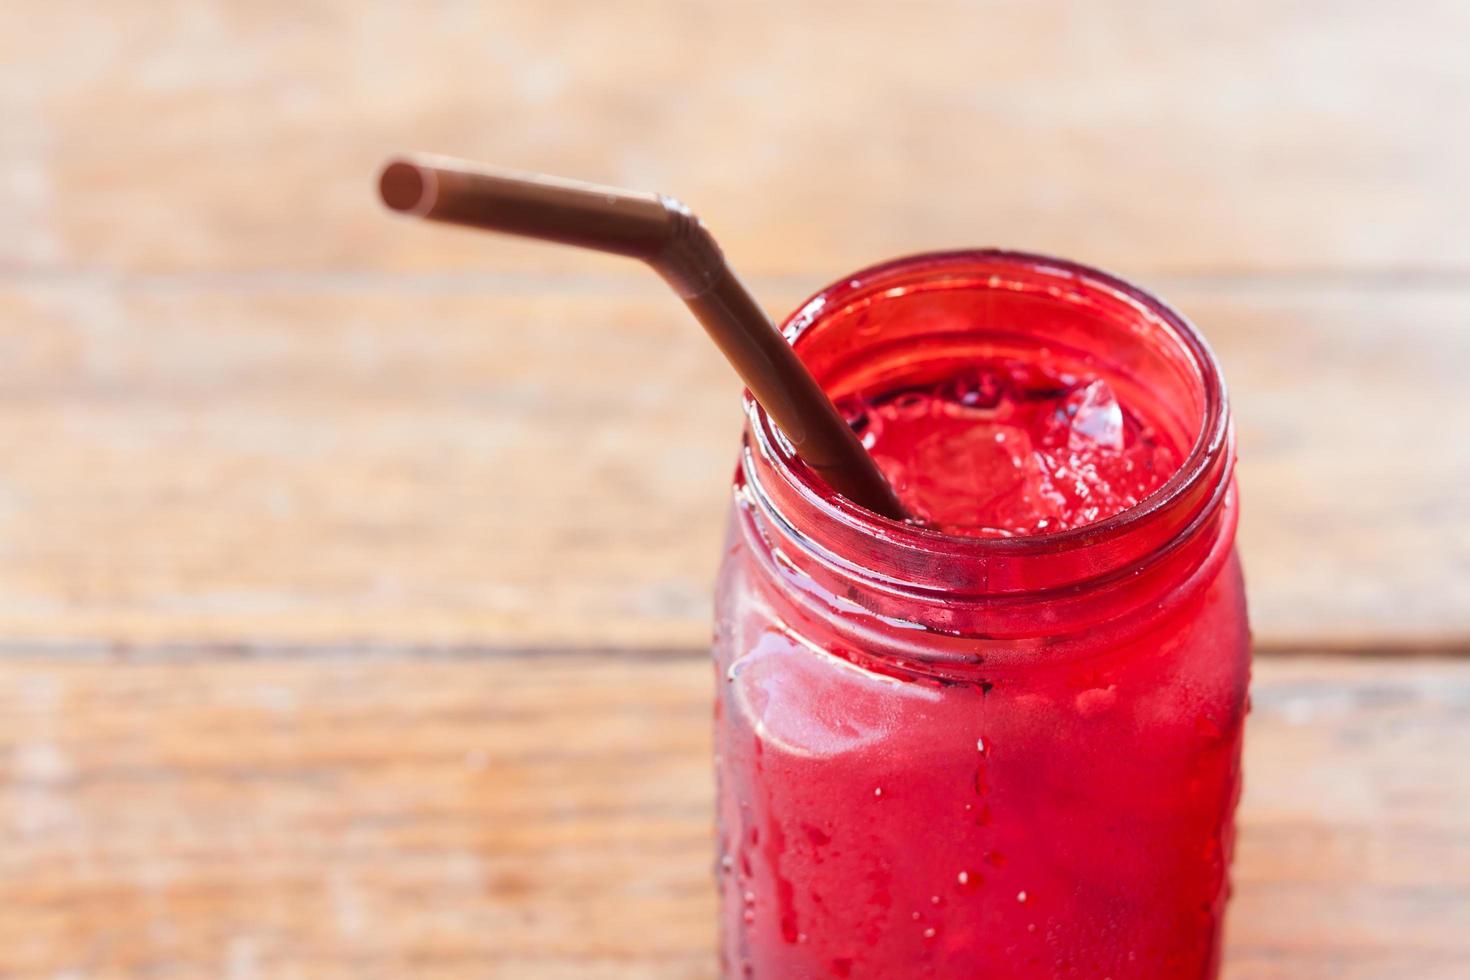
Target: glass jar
<point x="946" y="756"/>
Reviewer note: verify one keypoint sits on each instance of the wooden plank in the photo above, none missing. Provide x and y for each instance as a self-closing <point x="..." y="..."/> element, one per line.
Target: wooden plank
<point x="511" y="816"/>
<point x="1354" y="530"/>
<point x="814" y="136"/>
<point x="233" y="466"/>
<point x="288" y="464"/>
<point x="1354" y="856"/>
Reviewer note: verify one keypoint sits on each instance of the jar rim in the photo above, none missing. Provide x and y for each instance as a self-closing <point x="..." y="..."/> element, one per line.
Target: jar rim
<point x="1196" y="485"/>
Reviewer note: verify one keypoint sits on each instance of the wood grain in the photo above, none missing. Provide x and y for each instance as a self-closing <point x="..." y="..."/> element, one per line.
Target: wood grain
<point x="1261" y="137"/>
<point x="489" y="815"/>
<point x="287" y="484"/>
<point x="548" y="465"/>
<point x="241" y="405"/>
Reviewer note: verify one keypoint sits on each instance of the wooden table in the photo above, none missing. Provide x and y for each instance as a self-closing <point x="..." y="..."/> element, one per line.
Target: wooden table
<point x="354" y="575"/>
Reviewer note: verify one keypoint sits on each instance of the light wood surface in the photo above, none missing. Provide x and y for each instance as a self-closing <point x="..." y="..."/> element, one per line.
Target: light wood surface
<point x="542" y="466"/>
<point x="1264" y="136"/>
<point x="242" y="403"/>
<point x="289" y="488"/>
<point x="502" y="815"/>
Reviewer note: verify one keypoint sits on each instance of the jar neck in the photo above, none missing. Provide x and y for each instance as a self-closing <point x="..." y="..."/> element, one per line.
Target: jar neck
<point x="914" y="584"/>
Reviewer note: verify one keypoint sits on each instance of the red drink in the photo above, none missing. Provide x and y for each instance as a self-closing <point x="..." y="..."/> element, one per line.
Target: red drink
<point x="1002" y="740"/>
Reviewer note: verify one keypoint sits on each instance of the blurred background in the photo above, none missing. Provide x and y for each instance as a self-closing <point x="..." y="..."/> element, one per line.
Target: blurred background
<point x="355" y="574"/>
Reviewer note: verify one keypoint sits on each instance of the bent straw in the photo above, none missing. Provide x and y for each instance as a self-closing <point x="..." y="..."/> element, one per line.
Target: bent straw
<point x="665" y="234"/>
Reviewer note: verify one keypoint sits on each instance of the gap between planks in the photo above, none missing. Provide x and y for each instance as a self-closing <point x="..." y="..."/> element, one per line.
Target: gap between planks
<point x="205" y="651"/>
<point x="530" y="282"/>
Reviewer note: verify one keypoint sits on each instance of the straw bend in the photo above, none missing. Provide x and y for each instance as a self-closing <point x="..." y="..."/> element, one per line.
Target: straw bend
<point x="664" y="233"/>
<point x="653" y="227"/>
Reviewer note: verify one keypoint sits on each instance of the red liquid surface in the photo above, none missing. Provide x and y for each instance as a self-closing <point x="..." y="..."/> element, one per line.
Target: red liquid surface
<point x="1008" y="448"/>
<point x="1070" y="819"/>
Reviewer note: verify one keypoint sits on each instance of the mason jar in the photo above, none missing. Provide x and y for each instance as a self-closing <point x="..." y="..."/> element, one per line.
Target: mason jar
<point x="949" y="756"/>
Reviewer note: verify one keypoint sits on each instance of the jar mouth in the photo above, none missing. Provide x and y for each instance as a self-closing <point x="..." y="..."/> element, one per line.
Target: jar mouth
<point x="1182" y="502"/>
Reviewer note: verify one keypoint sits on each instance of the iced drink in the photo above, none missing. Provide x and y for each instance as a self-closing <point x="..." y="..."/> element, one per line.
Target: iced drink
<point x="1001" y="739"/>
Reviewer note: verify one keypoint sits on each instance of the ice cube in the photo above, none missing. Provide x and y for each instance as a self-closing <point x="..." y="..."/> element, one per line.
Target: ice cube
<point x="1095" y="417"/>
<point x="980" y="388"/>
<point x="800" y="699"/>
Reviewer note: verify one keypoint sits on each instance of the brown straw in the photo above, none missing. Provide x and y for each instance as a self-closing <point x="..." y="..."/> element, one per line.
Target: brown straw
<point x="662" y="232"/>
